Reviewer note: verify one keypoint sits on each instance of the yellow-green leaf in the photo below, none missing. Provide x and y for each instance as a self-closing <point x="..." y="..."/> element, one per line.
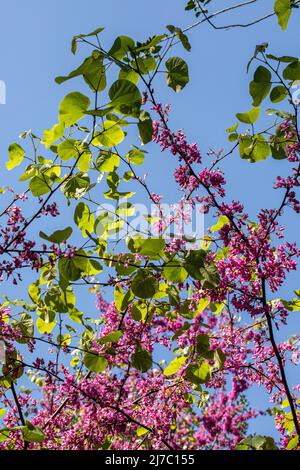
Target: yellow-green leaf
<point x="52" y="135"/>
<point x="223" y="220"/>
<point x="110" y="136"/>
<point x="174" y="366"/>
<point x="73" y="107"/>
<point x="16" y="155"/>
<point x="283" y="11"/>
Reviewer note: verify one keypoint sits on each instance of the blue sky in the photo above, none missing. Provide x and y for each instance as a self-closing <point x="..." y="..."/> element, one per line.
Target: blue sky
<point x="35" y="47"/>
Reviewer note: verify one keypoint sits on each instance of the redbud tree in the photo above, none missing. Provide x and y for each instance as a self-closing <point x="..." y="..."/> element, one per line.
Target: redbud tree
<point x="183" y="325"/>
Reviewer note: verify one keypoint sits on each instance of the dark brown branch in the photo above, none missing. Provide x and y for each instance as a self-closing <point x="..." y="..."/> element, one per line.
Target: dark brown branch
<point x="279" y="360"/>
<point x="21" y="416"/>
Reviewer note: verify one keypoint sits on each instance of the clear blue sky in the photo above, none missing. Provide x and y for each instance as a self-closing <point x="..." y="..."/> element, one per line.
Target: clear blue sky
<point x="35" y="47"/>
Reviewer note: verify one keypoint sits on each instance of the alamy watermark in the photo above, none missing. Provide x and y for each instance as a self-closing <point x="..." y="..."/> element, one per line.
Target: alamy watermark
<point x="169" y="221"/>
<point x="2" y="352"/>
<point x="296" y="93"/>
<point x="2" y="92"/>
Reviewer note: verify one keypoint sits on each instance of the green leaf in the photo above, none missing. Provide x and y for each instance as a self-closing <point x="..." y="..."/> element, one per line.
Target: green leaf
<point x="25" y="326"/>
<point x="40" y="185"/>
<point x="292" y="71"/>
<point x="116" y="195"/>
<point x="75" y="315"/>
<point x="293" y="442"/>
<point x="232" y="128"/>
<point x="223" y="220"/>
<point x="92" y="268"/>
<point x="185" y="309"/>
<point x="198" y="374"/>
<point x="92" y="70"/>
<point x="58" y="236"/>
<point x="32" y="433"/>
<point x="73" y="107"/>
<point x="76" y="186"/>
<point x="29" y="173"/>
<point x="177" y="73"/>
<point x="84" y="219"/>
<point x="283" y="11"/>
<point x="144" y="285"/>
<point x="2" y="412"/>
<point x="181" y="36"/>
<point x="125" y="97"/>
<point x="5" y="432"/>
<point x="278" y="152"/>
<point x="110" y="136"/>
<point x="112" y="337"/>
<point x="52" y="135"/>
<point x="174" y="271"/>
<point x="152" y="44"/>
<point x="217" y="307"/>
<point x="257" y="443"/>
<point x="284" y="58"/>
<point x="34" y="293"/>
<point x="127" y="73"/>
<point x="64" y="340"/>
<point x="79" y="36"/>
<point x="175" y="365"/>
<point x="145" y="127"/>
<point x="233" y="137"/>
<point x="72" y="268"/>
<point x="84" y="162"/>
<point x="46" y="322"/>
<point x="121" y="46"/>
<point x="291" y="306"/>
<point x="254" y="148"/>
<point x="107" y="161"/>
<point x="16" y="155"/>
<point x="144" y="65"/>
<point x="261" y="148"/>
<point x="122" y="299"/>
<point x="141" y="431"/>
<point x="99" y="112"/>
<point x="135" y="156"/>
<point x="136" y="312"/>
<point x="141" y="360"/>
<point x="250" y="117"/>
<point x="262" y="75"/>
<point x="128" y="175"/>
<point x="125" y="264"/>
<point x="297" y="292"/>
<point x="94" y="362"/>
<point x="277" y="112"/>
<point x="202" y="344"/>
<point x="67" y="149"/>
<point x="60" y="300"/>
<point x="258" y="49"/>
<point x="147" y="246"/>
<point x="194" y="261"/>
<point x="125" y="209"/>
<point x="203" y="303"/>
<point x="278" y="94"/>
<point x="219" y="358"/>
<point x="261" y="85"/>
<point x="245" y="146"/>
